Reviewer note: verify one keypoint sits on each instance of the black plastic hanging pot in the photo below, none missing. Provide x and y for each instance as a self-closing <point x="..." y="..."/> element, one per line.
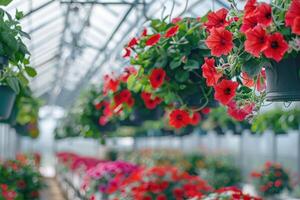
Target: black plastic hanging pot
<point x="3" y="62"/>
<point x="12" y="119"/>
<point x="283" y="80"/>
<point x="7" y="101"/>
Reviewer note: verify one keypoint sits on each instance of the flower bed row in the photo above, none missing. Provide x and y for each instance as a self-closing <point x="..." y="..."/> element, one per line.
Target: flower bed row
<point x="20" y="178"/>
<point x="124" y="180"/>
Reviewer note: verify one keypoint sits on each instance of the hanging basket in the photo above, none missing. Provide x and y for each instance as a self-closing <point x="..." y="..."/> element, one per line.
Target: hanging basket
<point x="283" y="80"/>
<point x="7" y="101"/>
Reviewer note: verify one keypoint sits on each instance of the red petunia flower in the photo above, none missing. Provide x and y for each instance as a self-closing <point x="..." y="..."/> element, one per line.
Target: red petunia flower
<point x="130" y="102"/>
<point x="176" y="20"/>
<point x="150" y="103"/>
<point x="179" y="118"/>
<point x="144" y="33"/>
<point x="157" y="77"/>
<point x="172" y="31"/>
<point x="161" y="197"/>
<point x="145" y="95"/>
<point x="217" y="19"/>
<point x="255" y="174"/>
<point x="122" y="97"/>
<point x="206" y="110"/>
<point x="277" y="47"/>
<point x="278" y="183"/>
<point x="250" y="7"/>
<point x="210" y="72"/>
<point x="247" y="80"/>
<point x="296" y="26"/>
<point x="153" y="40"/>
<point x="219" y="41"/>
<point x="225" y="91"/>
<point x="178" y="193"/>
<point x="103" y="120"/>
<point x="256" y="41"/>
<point x="132" y="42"/>
<point x="260" y="80"/>
<point x="249" y="23"/>
<point x="264" y="14"/>
<point x="195" y="119"/>
<point x="127" y="52"/>
<point x="110" y="84"/>
<point x="239" y="113"/>
<point x="292" y="13"/>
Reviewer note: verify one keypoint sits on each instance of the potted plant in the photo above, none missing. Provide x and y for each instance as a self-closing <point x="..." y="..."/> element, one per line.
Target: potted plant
<point x="169" y="56"/>
<point x="272" y="180"/>
<point x="14" y="61"/>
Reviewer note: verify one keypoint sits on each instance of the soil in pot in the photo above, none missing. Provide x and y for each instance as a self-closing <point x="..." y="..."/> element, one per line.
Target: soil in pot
<point x="283" y="80"/>
<point x="7" y="100"/>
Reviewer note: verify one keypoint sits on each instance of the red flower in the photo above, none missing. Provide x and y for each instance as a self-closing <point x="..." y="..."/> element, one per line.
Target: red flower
<point x="176" y="20"/>
<point x="157" y="77"/>
<point x="178" y="193"/>
<point x="256" y="41"/>
<point x="172" y="31"/>
<point x="250" y="7"/>
<point x="239" y="113"/>
<point x="132" y="42"/>
<point x="144" y="33"/>
<point x="206" y="110"/>
<point x="247" y="80"/>
<point x="277" y="47"/>
<point x="296" y="26"/>
<point x="122" y="97"/>
<point x="217" y="19"/>
<point x="225" y="91"/>
<point x="130" y="102"/>
<point x="219" y="41"/>
<point x="127" y="53"/>
<point x="150" y="103"/>
<point x="103" y="120"/>
<point x="153" y="40"/>
<point x="161" y="197"/>
<point x="255" y="174"/>
<point x="249" y="23"/>
<point x="110" y="84"/>
<point x="195" y="119"/>
<point x="145" y="95"/>
<point x="292" y="13"/>
<point x="260" y="80"/>
<point x="209" y="72"/>
<point x="179" y="118"/>
<point x="264" y="14"/>
<point x="278" y="183"/>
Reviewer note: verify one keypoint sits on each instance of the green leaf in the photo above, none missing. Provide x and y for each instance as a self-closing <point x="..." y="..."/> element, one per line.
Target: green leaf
<point x="19" y="15"/>
<point x="169" y="97"/>
<point x="5" y="2"/>
<point x="175" y="63"/>
<point x="182" y="76"/>
<point x="191" y="64"/>
<point x="10" y="41"/>
<point x="13" y="83"/>
<point x="30" y="71"/>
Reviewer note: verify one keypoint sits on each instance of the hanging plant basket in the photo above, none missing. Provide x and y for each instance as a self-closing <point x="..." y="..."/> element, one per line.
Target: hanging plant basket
<point x="283" y="80"/>
<point x="7" y="101"/>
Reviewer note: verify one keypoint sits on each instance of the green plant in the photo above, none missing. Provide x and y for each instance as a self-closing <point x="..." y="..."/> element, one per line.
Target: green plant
<point x="13" y="48"/>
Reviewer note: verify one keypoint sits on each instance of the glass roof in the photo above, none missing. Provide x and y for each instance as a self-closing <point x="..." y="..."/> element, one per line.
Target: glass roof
<point x="74" y="42"/>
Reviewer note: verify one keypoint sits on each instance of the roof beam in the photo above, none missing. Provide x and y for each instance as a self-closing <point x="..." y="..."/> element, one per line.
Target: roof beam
<point x="39" y="8"/>
<point x="100" y="2"/>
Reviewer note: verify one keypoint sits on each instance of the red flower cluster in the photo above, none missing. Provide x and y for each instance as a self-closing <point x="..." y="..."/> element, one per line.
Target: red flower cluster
<point x="110" y="84"/>
<point x="257" y="17"/>
<point x="260" y="82"/>
<point x="233" y="193"/>
<point x="6" y="193"/>
<point x="152" y="40"/>
<point x="181" y="118"/>
<point x="154" y="183"/>
<point x="292" y="17"/>
<point x="150" y="101"/>
<point x="157" y="77"/>
<point x="123" y="97"/>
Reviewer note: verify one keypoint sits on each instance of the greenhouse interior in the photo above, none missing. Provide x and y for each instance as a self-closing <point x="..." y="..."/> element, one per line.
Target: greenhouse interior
<point x="149" y="99"/>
